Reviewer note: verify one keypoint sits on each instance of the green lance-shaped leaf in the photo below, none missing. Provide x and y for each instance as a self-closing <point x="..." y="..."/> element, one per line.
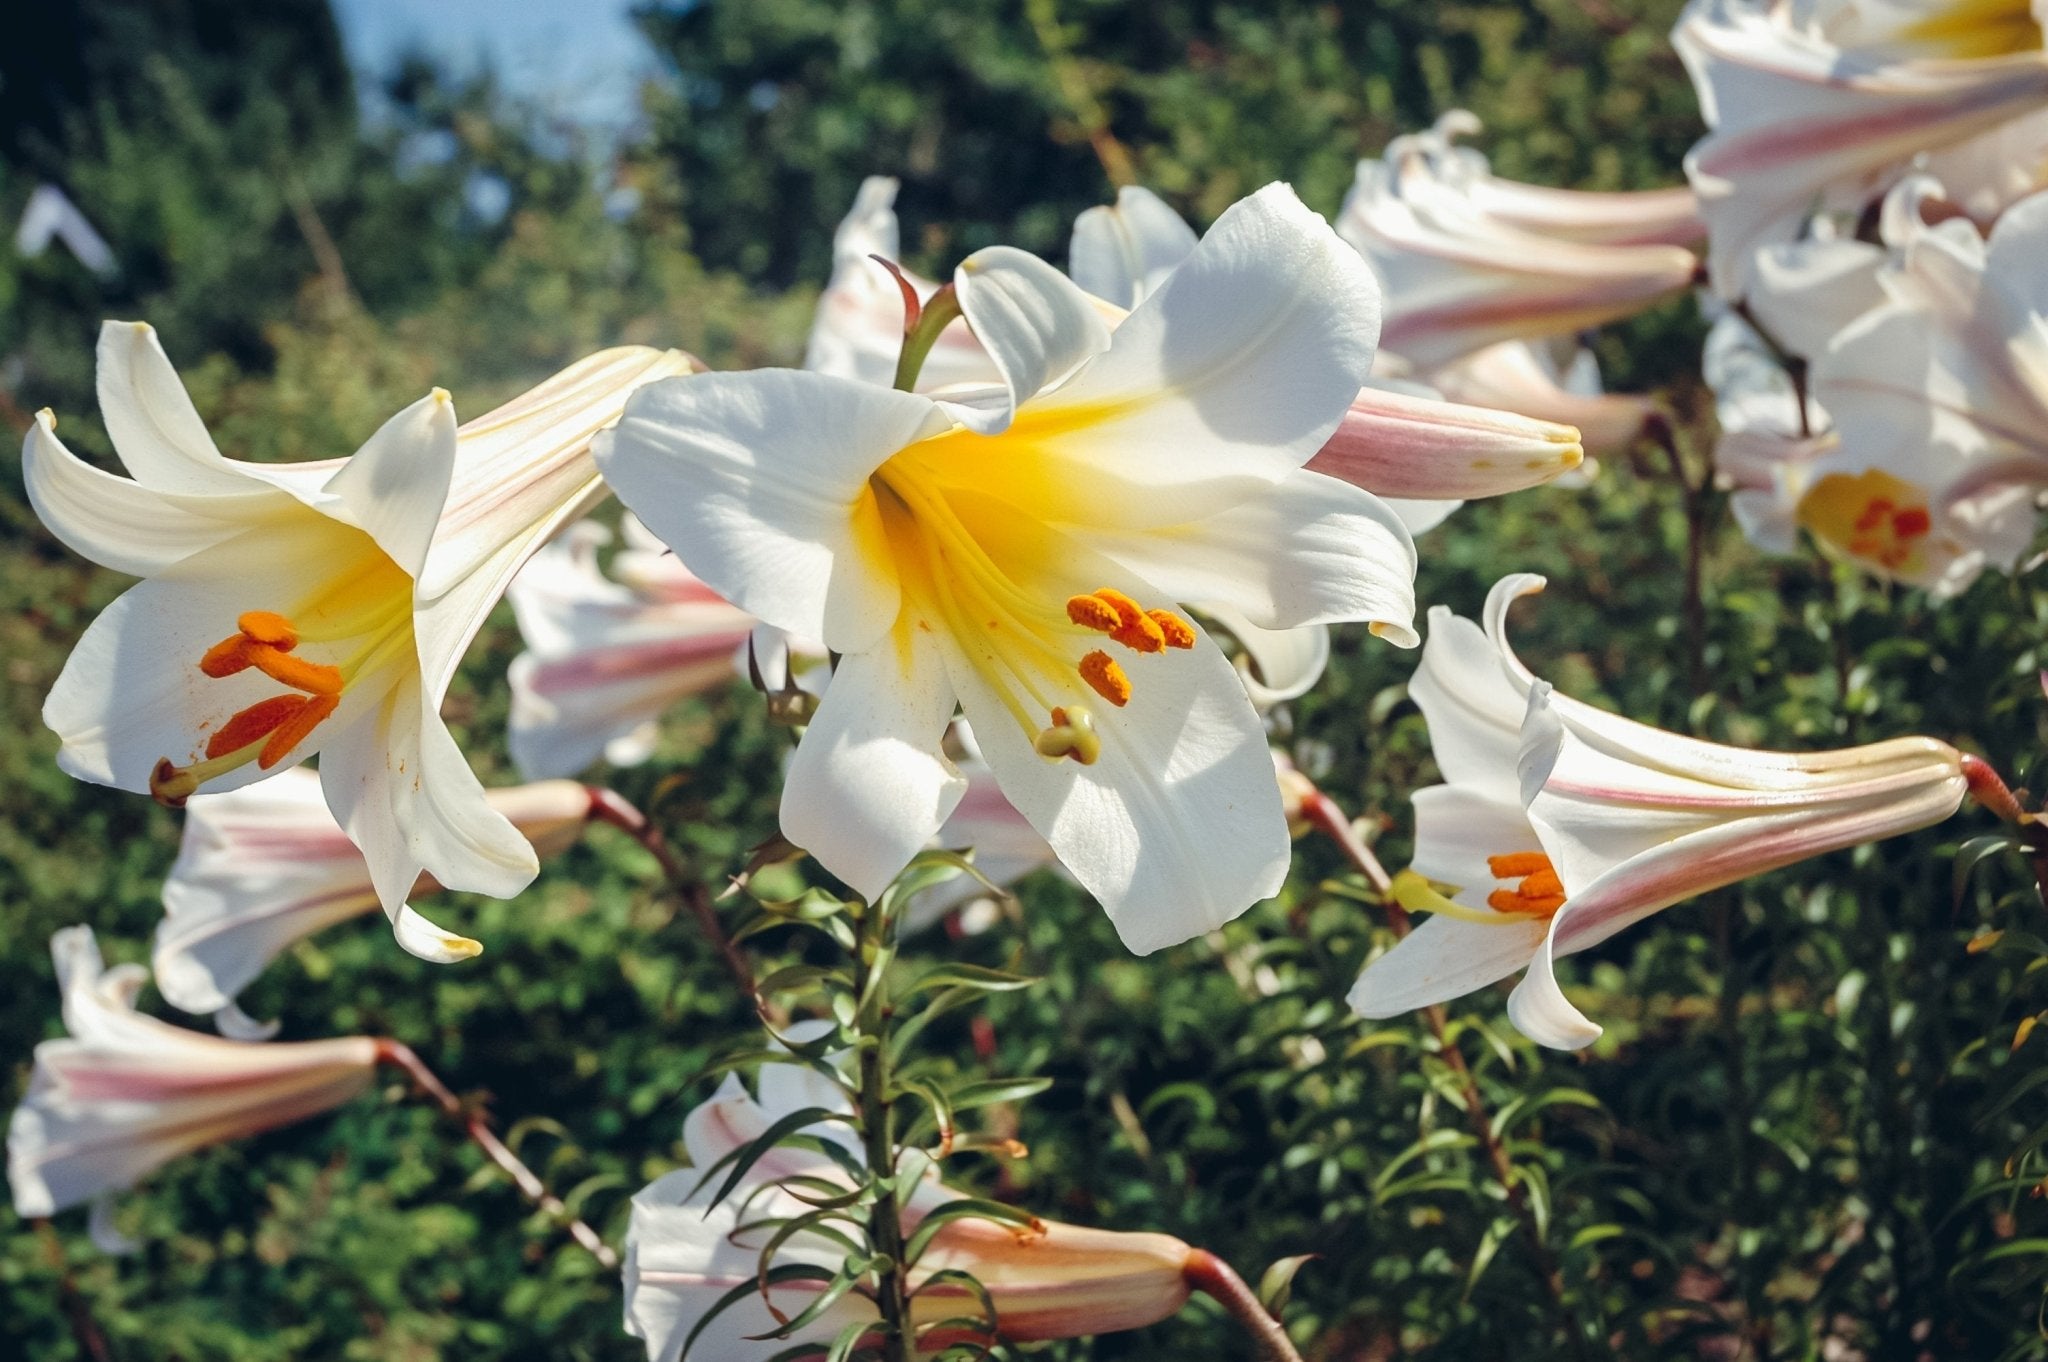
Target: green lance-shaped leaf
<point x="1974" y="853"/>
<point x="1276" y="1284"/>
<point x="849" y="1275"/>
<point x="965" y="1208"/>
<point x="972" y="977"/>
<point x="789" y="1272"/>
<point x="749" y="1154"/>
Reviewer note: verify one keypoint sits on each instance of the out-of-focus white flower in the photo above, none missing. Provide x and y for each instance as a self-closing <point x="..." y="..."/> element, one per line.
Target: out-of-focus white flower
<point x="266" y="866"/>
<point x="123" y="1093"/>
<point x="605" y="659"/>
<point x="1825" y="104"/>
<point x="1559" y="824"/>
<point x="1459" y="279"/>
<point x="684" y="1253"/>
<point x="991" y="552"/>
<point x="1922" y="450"/>
<point x="1636" y="217"/>
<point x="858" y="331"/>
<point x="294" y="609"/>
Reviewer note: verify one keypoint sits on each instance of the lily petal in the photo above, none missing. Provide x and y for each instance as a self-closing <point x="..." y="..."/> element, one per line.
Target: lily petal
<point x="1311" y="551"/>
<point x="1036" y="325"/>
<point x="795" y="542"/>
<point x="161" y="440"/>
<point x="1122" y="254"/>
<point x="868" y="786"/>
<point x="118" y="522"/>
<point x="1177" y="828"/>
<point x="395" y="486"/>
<point x="1442" y="959"/>
<point x="1234" y="373"/>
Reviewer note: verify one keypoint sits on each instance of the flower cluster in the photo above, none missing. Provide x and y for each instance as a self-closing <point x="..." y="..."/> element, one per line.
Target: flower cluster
<point x="1032" y="556"/>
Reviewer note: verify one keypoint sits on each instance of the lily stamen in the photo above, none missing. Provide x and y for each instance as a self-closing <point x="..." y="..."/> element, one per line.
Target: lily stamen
<point x="1540" y="892"/>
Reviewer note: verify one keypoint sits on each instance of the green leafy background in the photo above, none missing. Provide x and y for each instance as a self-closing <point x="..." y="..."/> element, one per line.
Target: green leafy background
<point x="1806" y="1132"/>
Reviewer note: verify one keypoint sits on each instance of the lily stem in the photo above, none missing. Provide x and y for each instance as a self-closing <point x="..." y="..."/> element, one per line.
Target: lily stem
<point x="1216" y="1279"/>
<point x="873" y="1011"/>
<point x="609" y="806"/>
<point x="1328" y="818"/>
<point x="400" y="1056"/>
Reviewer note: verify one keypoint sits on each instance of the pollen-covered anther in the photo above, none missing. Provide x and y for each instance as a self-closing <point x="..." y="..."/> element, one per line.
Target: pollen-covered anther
<point x="253" y="724"/>
<point x="295" y="729"/>
<point x="265" y="642"/>
<point x="1540" y="892"/>
<point x="1177" y="632"/>
<point x="1072" y="735"/>
<point x="1106" y="678"/>
<point x="1092" y="612"/>
<point x="264" y="626"/>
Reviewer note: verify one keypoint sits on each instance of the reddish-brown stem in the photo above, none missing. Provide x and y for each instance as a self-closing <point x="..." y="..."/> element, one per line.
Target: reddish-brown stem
<point x="609" y="806"/>
<point x="1988" y="788"/>
<point x="92" y="1344"/>
<point x="1322" y="812"/>
<point x="400" y="1056"/>
<point x="1325" y="815"/>
<point x="1216" y="1279"/>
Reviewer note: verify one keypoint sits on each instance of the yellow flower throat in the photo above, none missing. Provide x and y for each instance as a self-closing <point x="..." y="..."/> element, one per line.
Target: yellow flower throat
<point x="364" y="618"/>
<point x="1024" y="645"/>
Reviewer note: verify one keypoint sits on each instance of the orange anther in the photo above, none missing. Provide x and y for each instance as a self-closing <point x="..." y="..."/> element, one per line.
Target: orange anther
<point x="1506" y="901"/>
<point x="315" y="678"/>
<point x="1540" y="884"/>
<point x="1092" y="612"/>
<point x="253" y="723"/>
<point x="266" y="627"/>
<point x="1177" y="631"/>
<point x="1516" y="864"/>
<point x="1541" y="903"/>
<point x="1107" y="679"/>
<point x="1126" y="608"/>
<point x="228" y="656"/>
<point x="1141" y="634"/>
<point x="294" y="729"/>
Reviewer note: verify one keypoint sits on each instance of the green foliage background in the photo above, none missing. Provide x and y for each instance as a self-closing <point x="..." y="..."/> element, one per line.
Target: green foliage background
<point x="1793" y="1141"/>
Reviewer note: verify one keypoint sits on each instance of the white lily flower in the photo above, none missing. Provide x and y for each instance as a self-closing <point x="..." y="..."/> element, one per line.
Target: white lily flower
<point x="684" y="1253"/>
<point x="264" y="867"/>
<point x="1826" y="104"/>
<point x="123" y="1093"/>
<point x="1560" y="824"/>
<point x="295" y="609"/>
<point x="1918" y="457"/>
<point x="1940" y="400"/>
<point x="605" y="659"/>
<point x="992" y="553"/>
<point x="1458" y="280"/>
<point x="1636" y="217"/>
